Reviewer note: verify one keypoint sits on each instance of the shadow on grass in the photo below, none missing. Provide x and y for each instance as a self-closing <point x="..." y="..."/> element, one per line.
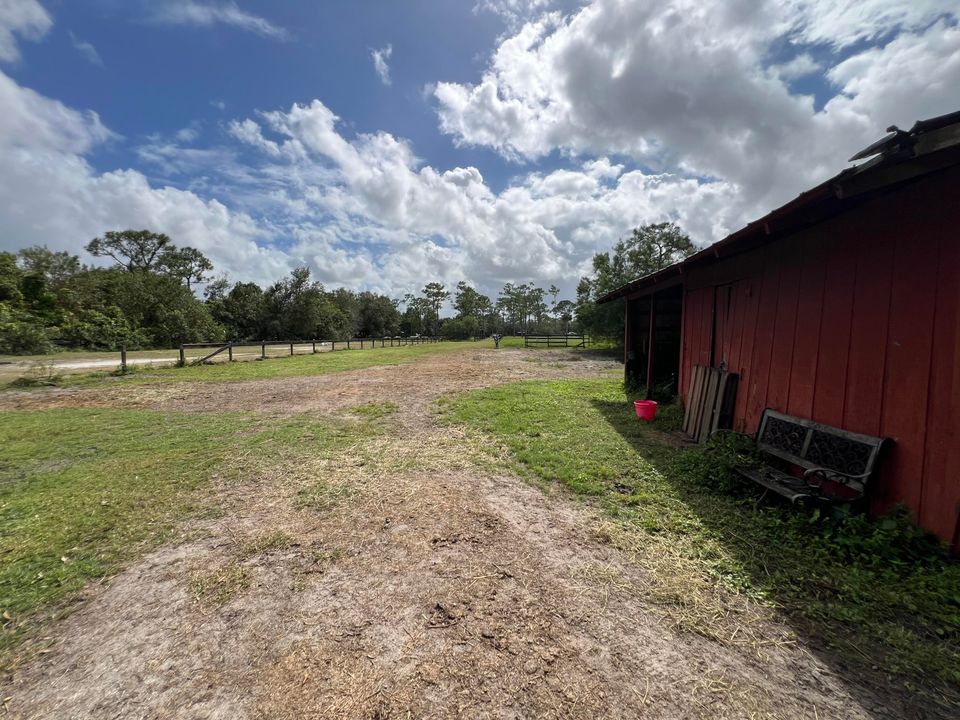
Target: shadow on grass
<point x="879" y="602"/>
<point x="603" y="353"/>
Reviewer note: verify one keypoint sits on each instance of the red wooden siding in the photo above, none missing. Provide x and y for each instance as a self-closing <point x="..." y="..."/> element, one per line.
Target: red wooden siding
<point x="868" y="334"/>
<point x="833" y="351"/>
<point x="854" y="322"/>
<point x="938" y="500"/>
<point x="803" y="371"/>
<point x="907" y="380"/>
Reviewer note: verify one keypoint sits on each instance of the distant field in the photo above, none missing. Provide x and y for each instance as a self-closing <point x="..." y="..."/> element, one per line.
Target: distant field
<point x="77" y="363"/>
<point x="87" y="367"/>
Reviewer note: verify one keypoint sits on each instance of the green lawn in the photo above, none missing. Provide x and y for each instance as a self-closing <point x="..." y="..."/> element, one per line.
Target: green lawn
<point x="84" y="491"/>
<point x="879" y="595"/>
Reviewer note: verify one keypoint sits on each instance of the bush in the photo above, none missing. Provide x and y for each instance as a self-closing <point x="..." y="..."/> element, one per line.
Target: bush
<point x="460" y="328"/>
<point x="99" y="330"/>
<point x="23" y="334"/>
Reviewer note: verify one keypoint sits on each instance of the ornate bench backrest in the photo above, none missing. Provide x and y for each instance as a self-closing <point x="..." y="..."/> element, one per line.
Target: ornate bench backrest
<point x="809" y="444"/>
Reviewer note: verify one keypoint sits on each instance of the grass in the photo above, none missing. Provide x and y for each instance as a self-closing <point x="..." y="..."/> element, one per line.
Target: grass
<point x="249" y="367"/>
<point x="879" y="595"/>
<point x="322" y="496"/>
<point x="376" y="410"/>
<point x="264" y="543"/>
<point x="82" y="492"/>
<point x="279" y="367"/>
<point x="38" y="374"/>
<point x="220" y="585"/>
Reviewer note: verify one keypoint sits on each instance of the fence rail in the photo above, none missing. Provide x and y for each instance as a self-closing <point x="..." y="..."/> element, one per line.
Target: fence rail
<point x="349" y="344"/>
<point x="556" y="341"/>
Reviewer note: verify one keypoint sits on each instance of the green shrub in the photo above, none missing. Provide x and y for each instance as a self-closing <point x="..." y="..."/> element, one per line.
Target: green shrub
<point x="23" y="334"/>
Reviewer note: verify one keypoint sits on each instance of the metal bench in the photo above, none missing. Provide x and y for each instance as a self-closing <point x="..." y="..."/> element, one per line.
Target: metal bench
<point x="836" y="464"/>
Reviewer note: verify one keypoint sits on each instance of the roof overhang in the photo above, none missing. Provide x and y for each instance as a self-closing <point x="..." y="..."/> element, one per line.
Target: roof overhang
<point x="930" y="145"/>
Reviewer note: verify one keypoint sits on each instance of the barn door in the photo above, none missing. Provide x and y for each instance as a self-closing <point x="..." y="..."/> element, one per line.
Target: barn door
<point x="722" y="326"/>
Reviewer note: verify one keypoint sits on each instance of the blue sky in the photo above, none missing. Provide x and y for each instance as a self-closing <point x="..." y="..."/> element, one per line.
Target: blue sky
<point x="500" y="141"/>
<point x="158" y="78"/>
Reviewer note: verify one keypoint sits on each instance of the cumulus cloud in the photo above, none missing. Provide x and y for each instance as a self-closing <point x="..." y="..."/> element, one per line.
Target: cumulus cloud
<point x="420" y="222"/>
<point x="688" y="87"/>
<point x="51" y="195"/>
<point x="381" y="63"/>
<point x="205" y="14"/>
<point x="24" y="18"/>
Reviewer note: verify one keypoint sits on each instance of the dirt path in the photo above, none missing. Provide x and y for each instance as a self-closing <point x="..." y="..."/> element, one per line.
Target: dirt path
<point x="425" y="585"/>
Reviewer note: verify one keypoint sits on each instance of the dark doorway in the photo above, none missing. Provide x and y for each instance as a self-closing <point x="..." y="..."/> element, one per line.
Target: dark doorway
<point x="653" y="351"/>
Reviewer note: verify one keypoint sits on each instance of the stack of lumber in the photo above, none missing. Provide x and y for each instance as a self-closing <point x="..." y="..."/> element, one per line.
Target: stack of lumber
<point x="710" y="401"/>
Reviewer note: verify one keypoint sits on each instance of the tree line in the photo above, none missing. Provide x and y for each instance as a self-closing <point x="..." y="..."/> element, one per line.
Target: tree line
<point x="147" y="299"/>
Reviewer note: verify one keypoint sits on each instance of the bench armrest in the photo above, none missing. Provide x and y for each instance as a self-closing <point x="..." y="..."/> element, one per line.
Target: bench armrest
<point x="814" y="477"/>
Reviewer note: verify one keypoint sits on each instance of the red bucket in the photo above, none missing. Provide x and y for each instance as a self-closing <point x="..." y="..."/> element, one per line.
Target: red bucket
<point x="646" y="409"/>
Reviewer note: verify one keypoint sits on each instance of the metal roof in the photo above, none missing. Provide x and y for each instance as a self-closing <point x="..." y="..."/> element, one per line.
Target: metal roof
<point x="929" y="145"/>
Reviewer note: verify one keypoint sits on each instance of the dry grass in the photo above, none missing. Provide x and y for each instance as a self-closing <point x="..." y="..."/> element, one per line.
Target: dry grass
<point x="688" y="597"/>
<point x="265" y="542"/>
<point x="213" y="587"/>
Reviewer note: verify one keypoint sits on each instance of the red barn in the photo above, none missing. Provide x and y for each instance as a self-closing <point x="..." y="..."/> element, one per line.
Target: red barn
<point x="842" y="306"/>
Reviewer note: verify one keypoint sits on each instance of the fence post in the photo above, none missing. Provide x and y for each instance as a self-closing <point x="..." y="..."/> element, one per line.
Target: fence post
<point x="123" y="357"/>
<point x="314" y="347"/>
<point x="230" y="353"/>
<point x="263" y="351"/>
<point x="348" y="343"/>
<point x="183" y="360"/>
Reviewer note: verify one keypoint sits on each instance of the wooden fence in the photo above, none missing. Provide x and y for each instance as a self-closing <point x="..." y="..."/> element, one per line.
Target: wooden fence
<point x="555" y="341"/>
<point x="350" y="344"/>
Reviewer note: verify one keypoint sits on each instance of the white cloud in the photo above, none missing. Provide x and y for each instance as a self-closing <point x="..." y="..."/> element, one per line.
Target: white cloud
<point x="87" y="50"/>
<point x="841" y="23"/>
<point x="514" y="12"/>
<point x="205" y="14"/>
<point x="26" y="18"/>
<point x="32" y="121"/>
<point x="188" y="134"/>
<point x="51" y="195"/>
<point x="800" y="66"/>
<point x="416" y="222"/>
<point x="684" y="86"/>
<point x="381" y="60"/>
